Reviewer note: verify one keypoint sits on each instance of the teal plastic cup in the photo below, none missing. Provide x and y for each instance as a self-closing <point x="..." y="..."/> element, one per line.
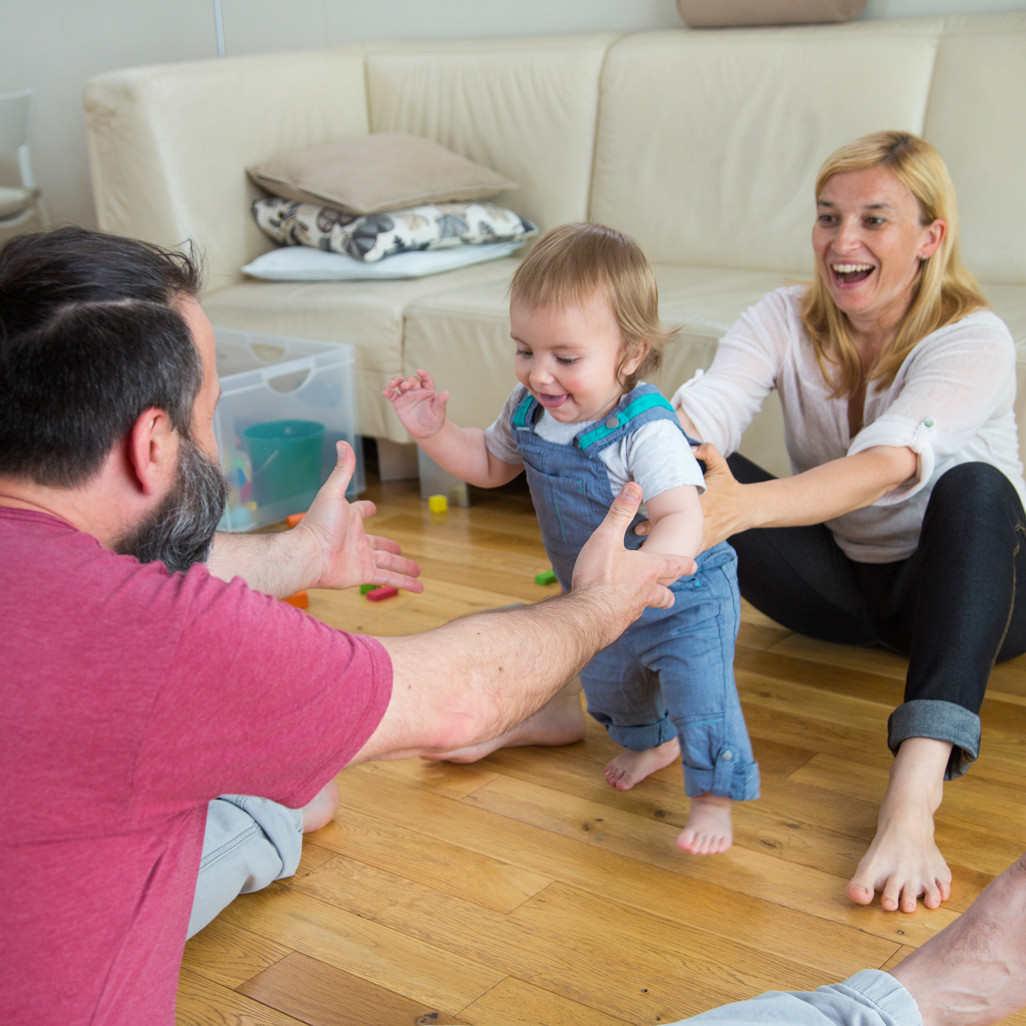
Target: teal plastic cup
<point x="286" y="459"/>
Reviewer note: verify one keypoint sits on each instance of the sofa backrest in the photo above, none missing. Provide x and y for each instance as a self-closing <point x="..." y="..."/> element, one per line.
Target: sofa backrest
<point x="704" y="145"/>
<point x="168" y="145"/>
<point x="709" y="142"/>
<point x="525" y="107"/>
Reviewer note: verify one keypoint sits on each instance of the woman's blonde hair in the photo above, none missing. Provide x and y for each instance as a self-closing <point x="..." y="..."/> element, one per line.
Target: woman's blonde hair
<point x="943" y="290"/>
<point x="573" y="262"/>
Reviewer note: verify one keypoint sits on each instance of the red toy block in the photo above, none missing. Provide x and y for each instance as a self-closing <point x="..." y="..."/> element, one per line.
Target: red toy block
<point x="382" y="593"/>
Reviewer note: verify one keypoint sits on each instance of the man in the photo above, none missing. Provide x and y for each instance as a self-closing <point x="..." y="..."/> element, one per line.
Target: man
<point x="139" y="684"/>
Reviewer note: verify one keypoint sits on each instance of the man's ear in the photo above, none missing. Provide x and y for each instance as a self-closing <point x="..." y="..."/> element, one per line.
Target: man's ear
<point x="152" y="450"/>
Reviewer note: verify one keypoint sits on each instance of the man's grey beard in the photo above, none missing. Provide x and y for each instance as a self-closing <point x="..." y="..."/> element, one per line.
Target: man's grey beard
<point x="180" y="531"/>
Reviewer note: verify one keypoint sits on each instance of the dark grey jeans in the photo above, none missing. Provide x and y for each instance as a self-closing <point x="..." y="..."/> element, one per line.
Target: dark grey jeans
<point x="954" y="607"/>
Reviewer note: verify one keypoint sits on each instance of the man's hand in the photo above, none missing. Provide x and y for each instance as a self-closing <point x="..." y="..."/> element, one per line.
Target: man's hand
<point x="344" y="555"/>
<point x="626" y="581"/>
<point x="328" y="549"/>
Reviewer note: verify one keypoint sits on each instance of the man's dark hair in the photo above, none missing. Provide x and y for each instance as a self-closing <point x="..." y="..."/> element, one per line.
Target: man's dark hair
<point x="89" y="338"/>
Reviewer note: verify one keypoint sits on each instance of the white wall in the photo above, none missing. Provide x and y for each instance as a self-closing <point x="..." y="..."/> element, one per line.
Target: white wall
<point x="55" y="45"/>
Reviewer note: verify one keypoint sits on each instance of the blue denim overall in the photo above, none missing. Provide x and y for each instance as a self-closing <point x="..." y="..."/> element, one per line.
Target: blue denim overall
<point x="671" y="673"/>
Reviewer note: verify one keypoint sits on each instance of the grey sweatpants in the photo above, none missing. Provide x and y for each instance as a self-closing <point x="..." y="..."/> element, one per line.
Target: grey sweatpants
<point x="248" y="843"/>
<point x="869" y="998"/>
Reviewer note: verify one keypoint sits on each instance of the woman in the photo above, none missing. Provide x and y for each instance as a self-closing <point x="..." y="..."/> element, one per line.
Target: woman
<point x="903" y="521"/>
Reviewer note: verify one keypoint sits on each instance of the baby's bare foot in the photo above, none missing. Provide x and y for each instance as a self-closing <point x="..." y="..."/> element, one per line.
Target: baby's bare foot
<point x="630" y="768"/>
<point x="320" y="811"/>
<point x="973" y="972"/>
<point x="708" y="830"/>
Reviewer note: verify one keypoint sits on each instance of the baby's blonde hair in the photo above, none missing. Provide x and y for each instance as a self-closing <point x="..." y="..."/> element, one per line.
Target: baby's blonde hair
<point x="573" y="262"/>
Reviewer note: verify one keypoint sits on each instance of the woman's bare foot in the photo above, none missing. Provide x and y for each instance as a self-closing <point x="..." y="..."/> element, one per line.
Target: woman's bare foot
<point x="561" y="722"/>
<point x="630" y="768"/>
<point x="973" y="972"/>
<point x="708" y="830"/>
<point x="321" y="810"/>
<point x="903" y="862"/>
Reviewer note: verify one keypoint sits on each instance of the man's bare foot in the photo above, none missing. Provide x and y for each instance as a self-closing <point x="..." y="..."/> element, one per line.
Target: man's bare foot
<point x="320" y="811"/>
<point x="708" y="830"/>
<point x="903" y="862"/>
<point x="560" y="722"/>
<point x="630" y="768"/>
<point x="973" y="972"/>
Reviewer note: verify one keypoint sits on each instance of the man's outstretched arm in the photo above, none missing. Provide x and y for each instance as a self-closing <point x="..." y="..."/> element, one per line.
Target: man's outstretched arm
<point x="328" y="549"/>
<point x="476" y="677"/>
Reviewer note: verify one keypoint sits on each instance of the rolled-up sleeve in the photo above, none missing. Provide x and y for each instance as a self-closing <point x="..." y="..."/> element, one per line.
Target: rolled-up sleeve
<point x="952" y="387"/>
<point x="723" y="401"/>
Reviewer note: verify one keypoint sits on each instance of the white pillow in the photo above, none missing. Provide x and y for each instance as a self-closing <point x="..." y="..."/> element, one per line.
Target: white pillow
<point x="302" y="263"/>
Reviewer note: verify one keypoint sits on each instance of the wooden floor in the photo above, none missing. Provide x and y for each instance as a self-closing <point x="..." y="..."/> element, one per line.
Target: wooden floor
<point x="523" y="891"/>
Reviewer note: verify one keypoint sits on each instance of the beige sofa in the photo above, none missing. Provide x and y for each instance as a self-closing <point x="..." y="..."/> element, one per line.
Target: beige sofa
<point x="703" y="145"/>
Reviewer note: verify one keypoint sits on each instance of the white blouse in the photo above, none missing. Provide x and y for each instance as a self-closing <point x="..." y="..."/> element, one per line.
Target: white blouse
<point x="951" y="402"/>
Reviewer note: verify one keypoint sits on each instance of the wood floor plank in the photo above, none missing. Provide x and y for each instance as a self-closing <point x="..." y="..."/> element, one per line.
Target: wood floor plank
<point x="443" y="865"/>
<point x="201" y="1002"/>
<point x="898" y="956"/>
<point x="229" y="955"/>
<point x="798" y="936"/>
<point x="515" y="1003"/>
<point x="321" y="995"/>
<point x="592" y="970"/>
<point x="750" y="872"/>
<point x="389" y="958"/>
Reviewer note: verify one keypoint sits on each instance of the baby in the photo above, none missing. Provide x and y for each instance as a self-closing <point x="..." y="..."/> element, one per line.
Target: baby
<point x="584" y="309"/>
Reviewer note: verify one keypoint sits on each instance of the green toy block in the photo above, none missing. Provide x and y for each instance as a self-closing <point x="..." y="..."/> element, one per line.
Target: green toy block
<point x="548" y="577"/>
<point x="364" y="588"/>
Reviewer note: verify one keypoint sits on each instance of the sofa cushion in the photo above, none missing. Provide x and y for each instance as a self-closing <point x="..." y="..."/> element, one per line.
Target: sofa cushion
<point x="525" y="107"/>
<point x="366" y="314"/>
<point x="709" y="142"/>
<point x="383" y="171"/>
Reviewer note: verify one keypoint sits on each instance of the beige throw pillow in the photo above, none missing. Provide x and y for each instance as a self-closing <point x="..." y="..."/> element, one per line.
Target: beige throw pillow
<point x="382" y="171"/>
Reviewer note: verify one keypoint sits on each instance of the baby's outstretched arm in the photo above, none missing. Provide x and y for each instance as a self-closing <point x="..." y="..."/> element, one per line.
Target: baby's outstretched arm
<point x="460" y="451"/>
<point x="676" y="519"/>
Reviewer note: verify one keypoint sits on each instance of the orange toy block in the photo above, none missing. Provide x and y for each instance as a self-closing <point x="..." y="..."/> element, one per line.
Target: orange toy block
<point x="293" y="518"/>
<point x="300" y="600"/>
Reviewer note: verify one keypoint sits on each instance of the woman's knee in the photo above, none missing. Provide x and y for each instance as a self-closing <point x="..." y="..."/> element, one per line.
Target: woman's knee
<point x="973" y="493"/>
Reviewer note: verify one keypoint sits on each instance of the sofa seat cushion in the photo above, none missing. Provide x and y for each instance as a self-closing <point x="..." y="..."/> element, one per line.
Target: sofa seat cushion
<point x="366" y="314"/>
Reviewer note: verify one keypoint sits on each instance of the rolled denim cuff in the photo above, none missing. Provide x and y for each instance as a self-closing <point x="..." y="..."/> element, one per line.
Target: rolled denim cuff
<point x="643" y="736"/>
<point x="942" y="721"/>
<point x="730" y="778"/>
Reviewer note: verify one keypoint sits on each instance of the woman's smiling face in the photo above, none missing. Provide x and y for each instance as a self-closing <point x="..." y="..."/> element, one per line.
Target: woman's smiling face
<point x="869" y="240"/>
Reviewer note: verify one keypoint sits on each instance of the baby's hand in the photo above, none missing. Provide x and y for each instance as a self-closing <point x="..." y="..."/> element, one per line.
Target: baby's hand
<point x="420" y="408"/>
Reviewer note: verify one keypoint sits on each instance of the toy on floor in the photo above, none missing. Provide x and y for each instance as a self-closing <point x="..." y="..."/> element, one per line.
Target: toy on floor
<point x="377" y="594"/>
<point x="293" y="518"/>
<point x="548" y="577"/>
<point x="300" y="600"/>
<point x="438" y="504"/>
<point x="364" y="588"/>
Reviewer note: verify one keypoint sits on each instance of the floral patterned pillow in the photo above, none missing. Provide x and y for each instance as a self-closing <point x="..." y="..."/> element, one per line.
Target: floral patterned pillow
<point x="374" y="236"/>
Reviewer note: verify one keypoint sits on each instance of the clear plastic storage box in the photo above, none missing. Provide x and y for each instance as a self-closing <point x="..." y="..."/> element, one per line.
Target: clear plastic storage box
<point x="285" y="402"/>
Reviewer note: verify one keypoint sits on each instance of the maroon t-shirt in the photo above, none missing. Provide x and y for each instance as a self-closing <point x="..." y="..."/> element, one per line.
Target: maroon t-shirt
<point x="129" y="698"/>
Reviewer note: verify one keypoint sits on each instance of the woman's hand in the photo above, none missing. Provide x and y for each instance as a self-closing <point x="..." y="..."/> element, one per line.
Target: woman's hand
<point x="727" y="506"/>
